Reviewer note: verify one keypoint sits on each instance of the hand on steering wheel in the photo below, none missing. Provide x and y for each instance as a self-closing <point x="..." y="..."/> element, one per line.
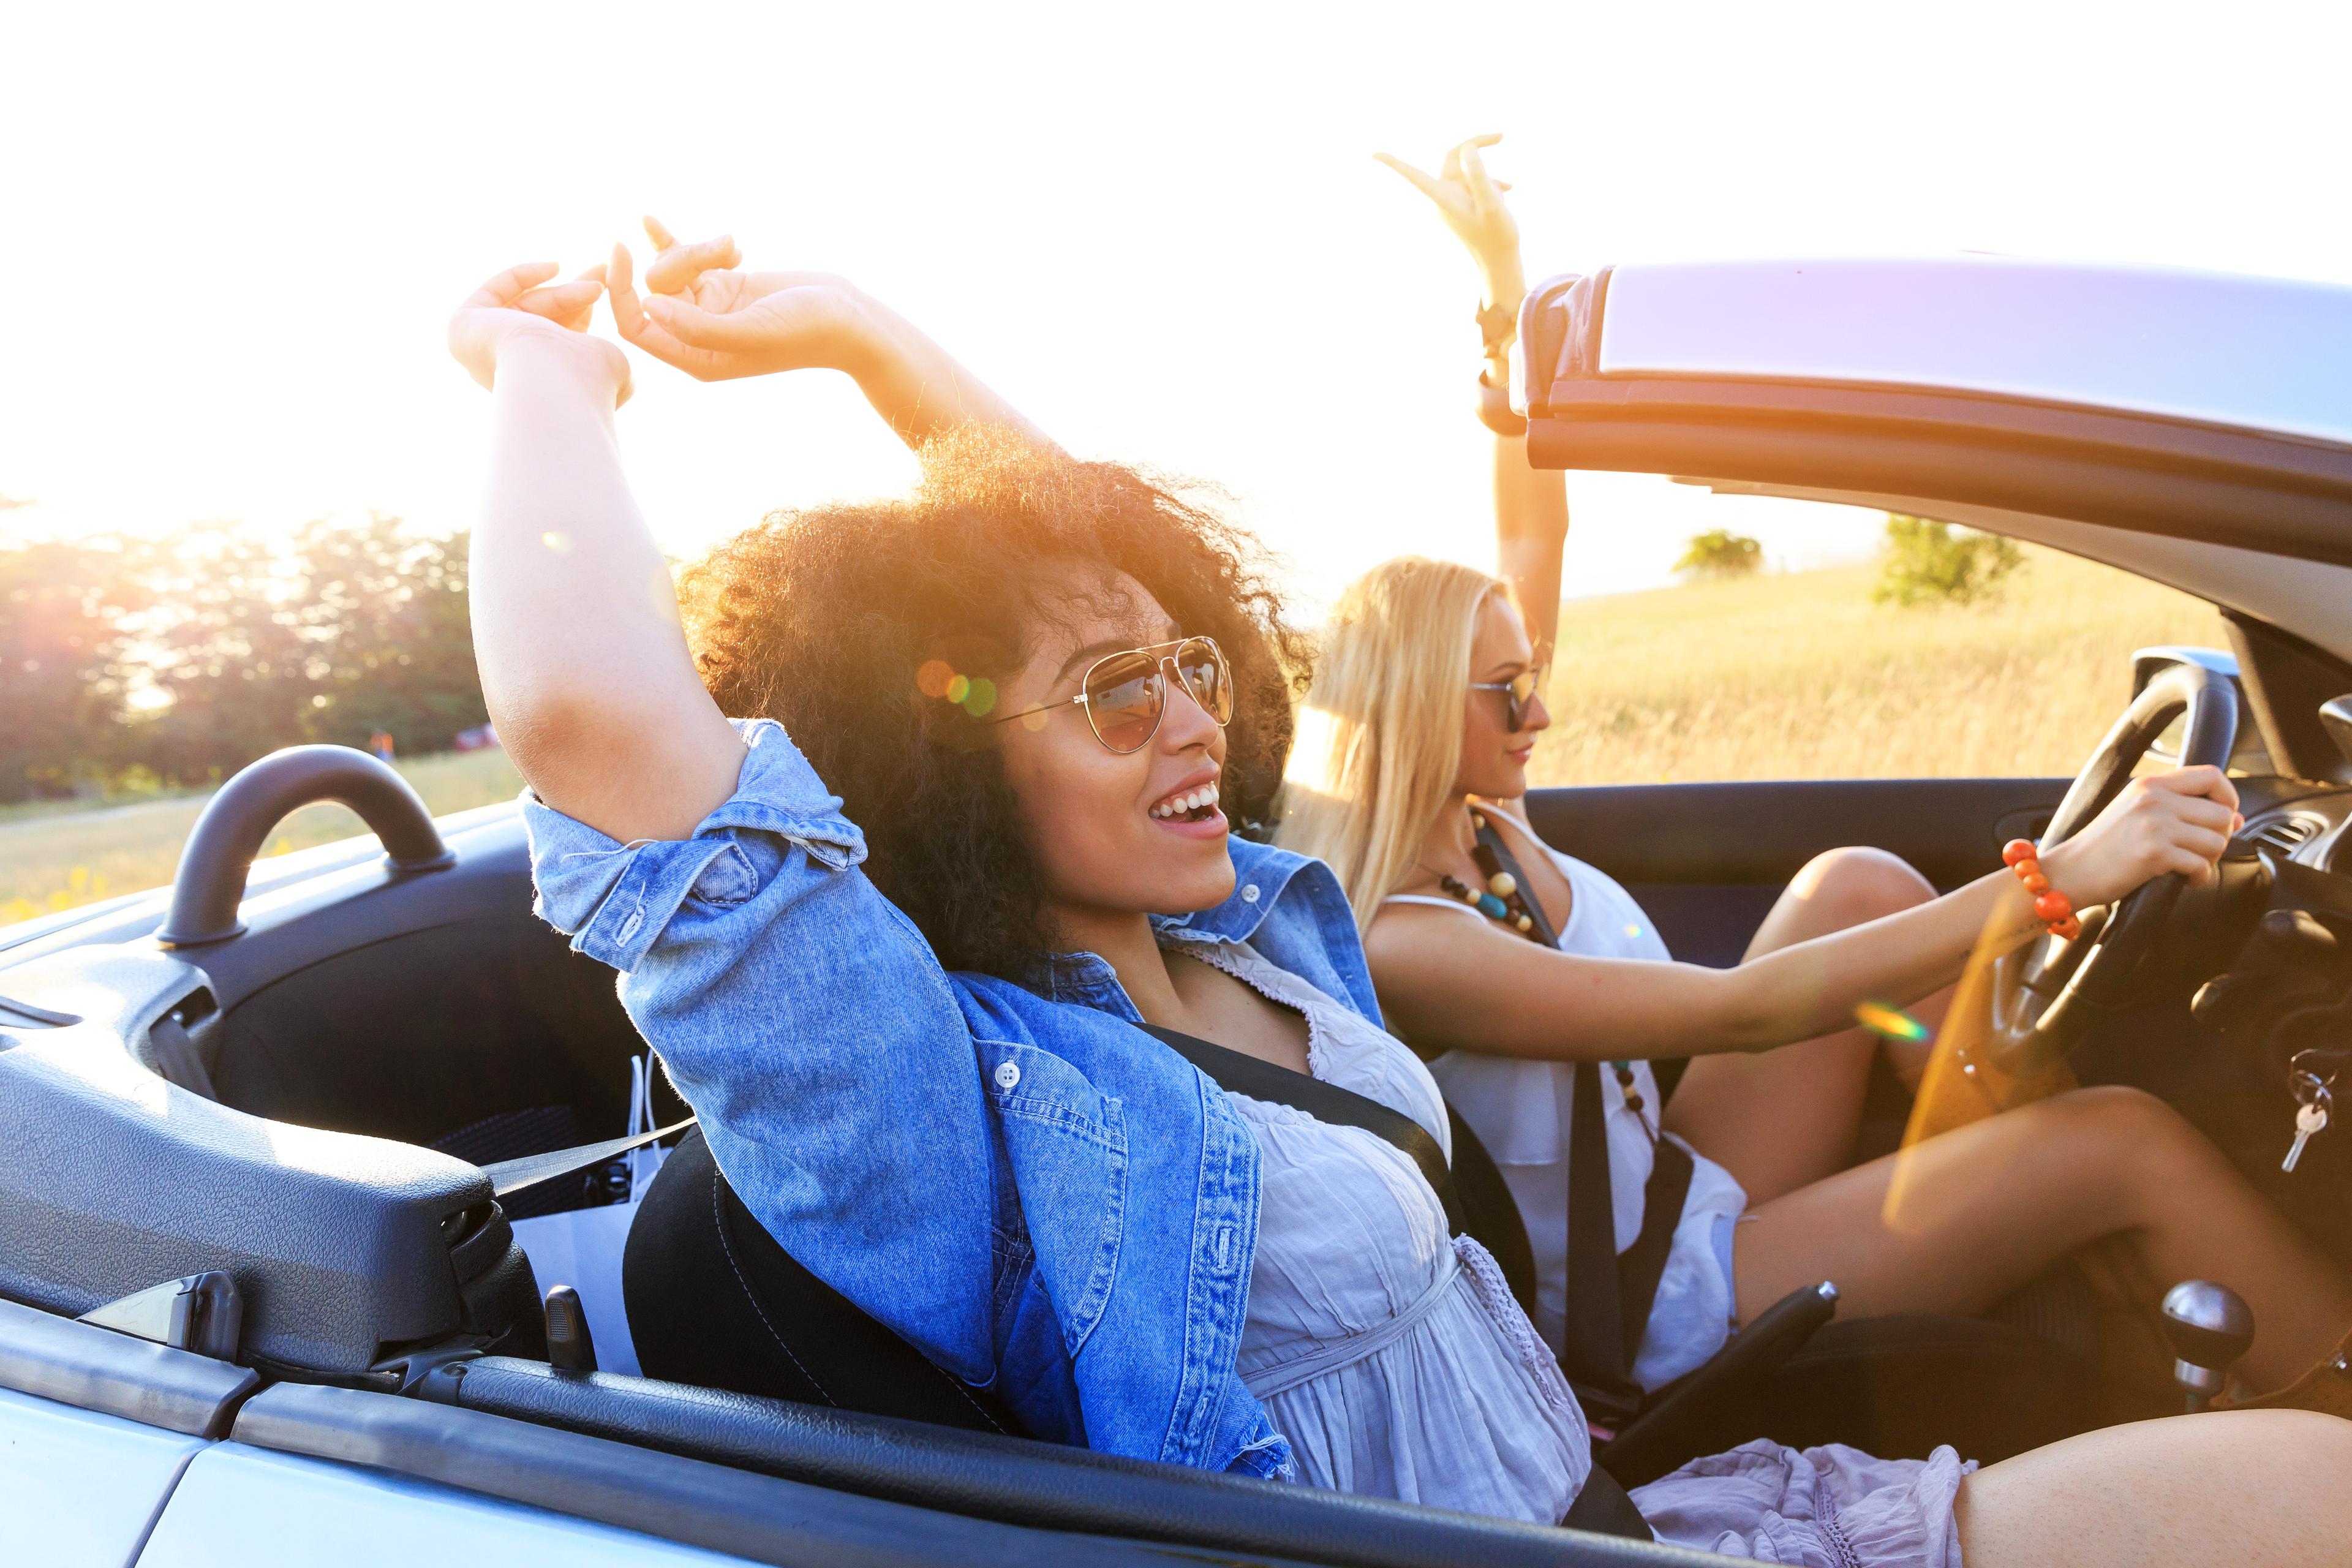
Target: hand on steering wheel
<point x="2130" y="844"/>
<point x="2177" y="822"/>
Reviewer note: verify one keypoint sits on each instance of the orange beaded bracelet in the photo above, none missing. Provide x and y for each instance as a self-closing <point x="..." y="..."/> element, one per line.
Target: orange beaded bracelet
<point x="2050" y="906"/>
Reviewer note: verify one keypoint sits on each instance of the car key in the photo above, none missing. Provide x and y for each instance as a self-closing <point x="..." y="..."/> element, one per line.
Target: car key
<point x="2310" y="1118"/>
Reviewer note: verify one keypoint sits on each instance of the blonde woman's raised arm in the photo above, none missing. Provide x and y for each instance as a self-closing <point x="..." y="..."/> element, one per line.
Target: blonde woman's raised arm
<point x="1451" y="981"/>
<point x="1530" y="535"/>
<point x="1530" y="503"/>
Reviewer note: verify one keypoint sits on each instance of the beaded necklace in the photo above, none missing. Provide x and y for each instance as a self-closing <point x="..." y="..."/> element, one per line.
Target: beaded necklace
<point x="1503" y="901"/>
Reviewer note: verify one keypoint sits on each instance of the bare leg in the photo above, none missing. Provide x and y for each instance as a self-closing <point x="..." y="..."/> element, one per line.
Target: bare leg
<point x="2234" y="1486"/>
<point x="1979" y="1211"/>
<point x="1787" y="1117"/>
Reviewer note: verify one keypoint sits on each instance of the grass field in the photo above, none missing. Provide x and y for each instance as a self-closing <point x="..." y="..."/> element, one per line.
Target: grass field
<point x="56" y="858"/>
<point x="1799" y="674"/>
<point x="1794" y="675"/>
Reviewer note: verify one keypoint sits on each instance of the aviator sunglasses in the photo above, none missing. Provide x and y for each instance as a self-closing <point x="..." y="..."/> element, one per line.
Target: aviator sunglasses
<point x="1126" y="694"/>
<point x="1519" y="695"/>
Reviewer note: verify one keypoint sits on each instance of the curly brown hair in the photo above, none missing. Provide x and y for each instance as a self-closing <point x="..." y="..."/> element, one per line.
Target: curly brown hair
<point x="821" y="618"/>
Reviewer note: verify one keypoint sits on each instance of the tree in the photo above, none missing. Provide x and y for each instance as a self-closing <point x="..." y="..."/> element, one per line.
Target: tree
<point x="61" y="667"/>
<point x="191" y="654"/>
<point x="398" y="635"/>
<point x="1719" y="553"/>
<point x="352" y="627"/>
<point x="1927" y="562"/>
<point x="232" y="661"/>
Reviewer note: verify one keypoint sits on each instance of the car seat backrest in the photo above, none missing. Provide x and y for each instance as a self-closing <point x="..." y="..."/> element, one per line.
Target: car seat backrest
<point x="714" y="1300"/>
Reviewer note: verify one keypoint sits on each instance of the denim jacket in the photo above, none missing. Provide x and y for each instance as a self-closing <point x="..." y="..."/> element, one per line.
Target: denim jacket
<point x="1043" y="1199"/>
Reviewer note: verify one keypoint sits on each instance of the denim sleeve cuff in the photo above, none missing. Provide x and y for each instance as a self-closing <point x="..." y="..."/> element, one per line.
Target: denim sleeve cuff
<point x="615" y="899"/>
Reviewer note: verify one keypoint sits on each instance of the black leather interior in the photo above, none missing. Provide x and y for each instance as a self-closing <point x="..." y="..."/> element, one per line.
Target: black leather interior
<point x="317" y="1047"/>
<point x="714" y="1300"/>
<point x="1707" y="860"/>
<point x="1897" y="1387"/>
<point x="716" y="1303"/>
<point x="344" y="1249"/>
<point x="1013" y="1480"/>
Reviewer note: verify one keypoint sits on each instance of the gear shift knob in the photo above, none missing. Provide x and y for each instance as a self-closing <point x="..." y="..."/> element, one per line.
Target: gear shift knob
<point x="2209" y="1327"/>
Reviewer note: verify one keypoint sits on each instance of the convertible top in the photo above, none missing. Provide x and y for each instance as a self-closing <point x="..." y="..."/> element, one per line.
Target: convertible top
<point x="2253" y="353"/>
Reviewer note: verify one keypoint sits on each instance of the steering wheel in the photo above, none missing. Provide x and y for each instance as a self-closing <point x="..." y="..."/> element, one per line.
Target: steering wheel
<point x="2048" y="994"/>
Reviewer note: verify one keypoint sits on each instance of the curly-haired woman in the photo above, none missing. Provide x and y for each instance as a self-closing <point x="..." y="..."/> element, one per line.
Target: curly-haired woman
<point x="1011" y="677"/>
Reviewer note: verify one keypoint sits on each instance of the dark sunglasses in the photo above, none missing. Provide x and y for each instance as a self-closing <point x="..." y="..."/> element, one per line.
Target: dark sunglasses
<point x="1519" y="695"/>
<point x="1126" y="694"/>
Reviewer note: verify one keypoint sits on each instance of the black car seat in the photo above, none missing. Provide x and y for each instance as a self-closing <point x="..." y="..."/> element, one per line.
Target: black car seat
<point x="714" y="1300"/>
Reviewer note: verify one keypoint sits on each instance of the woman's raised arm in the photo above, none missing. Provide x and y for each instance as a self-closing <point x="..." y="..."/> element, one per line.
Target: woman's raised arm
<point x="717" y="323"/>
<point x="586" y="669"/>
<point x="1530" y="503"/>
<point x="583" y="664"/>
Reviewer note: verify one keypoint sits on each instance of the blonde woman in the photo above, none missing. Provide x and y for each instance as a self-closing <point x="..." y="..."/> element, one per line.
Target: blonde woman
<point x="1421" y="720"/>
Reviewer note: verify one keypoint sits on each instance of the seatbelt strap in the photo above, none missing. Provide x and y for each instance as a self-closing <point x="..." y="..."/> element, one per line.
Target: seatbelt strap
<point x="1641" y="1265"/>
<point x="1609" y="1296"/>
<point x="1227" y="1069"/>
<point x="1261" y="1080"/>
<point x="513" y="1175"/>
<point x="1592" y="1346"/>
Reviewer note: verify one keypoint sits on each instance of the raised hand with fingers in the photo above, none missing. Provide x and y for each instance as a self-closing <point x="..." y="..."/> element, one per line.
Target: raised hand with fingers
<point x="520" y="301"/>
<point x="1470" y="201"/>
<point x="716" y="323"/>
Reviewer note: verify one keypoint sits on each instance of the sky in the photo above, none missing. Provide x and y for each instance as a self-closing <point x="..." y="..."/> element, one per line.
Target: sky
<point x="232" y="232"/>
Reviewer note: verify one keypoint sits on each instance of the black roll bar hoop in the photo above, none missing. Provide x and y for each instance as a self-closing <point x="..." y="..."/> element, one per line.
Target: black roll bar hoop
<point x="210" y="883"/>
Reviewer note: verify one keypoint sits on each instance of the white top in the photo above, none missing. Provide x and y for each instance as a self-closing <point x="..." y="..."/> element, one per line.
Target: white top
<point x="1392" y="1357"/>
<point x="1522" y="1112"/>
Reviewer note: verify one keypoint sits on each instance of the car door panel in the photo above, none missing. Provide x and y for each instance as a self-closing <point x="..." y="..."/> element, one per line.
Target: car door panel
<point x="1707" y="860"/>
<point x="77" y="1489"/>
<point x="239" y="1504"/>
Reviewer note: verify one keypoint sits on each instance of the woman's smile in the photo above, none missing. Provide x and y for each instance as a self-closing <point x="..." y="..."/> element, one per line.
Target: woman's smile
<point x="1190" y="809"/>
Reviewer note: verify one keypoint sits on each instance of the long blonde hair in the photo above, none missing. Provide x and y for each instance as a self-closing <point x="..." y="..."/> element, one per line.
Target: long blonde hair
<point x="1377" y="745"/>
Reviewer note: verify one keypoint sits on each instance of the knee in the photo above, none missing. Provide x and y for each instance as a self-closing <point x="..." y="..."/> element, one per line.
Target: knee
<point x="2116" y="1111"/>
<point x="1846" y="886"/>
<point x="2133" y="1129"/>
<point x="2292" y="1445"/>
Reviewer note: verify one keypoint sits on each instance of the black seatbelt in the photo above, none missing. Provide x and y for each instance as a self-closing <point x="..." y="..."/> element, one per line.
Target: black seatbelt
<point x="530" y="1170"/>
<point x="1641" y="1265"/>
<point x="1261" y="1080"/>
<point x="1609" y="1296"/>
<point x="1227" y="1069"/>
<point x="1592" y="1344"/>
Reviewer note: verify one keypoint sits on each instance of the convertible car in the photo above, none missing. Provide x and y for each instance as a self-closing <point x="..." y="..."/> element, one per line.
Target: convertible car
<point x="319" y="1240"/>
